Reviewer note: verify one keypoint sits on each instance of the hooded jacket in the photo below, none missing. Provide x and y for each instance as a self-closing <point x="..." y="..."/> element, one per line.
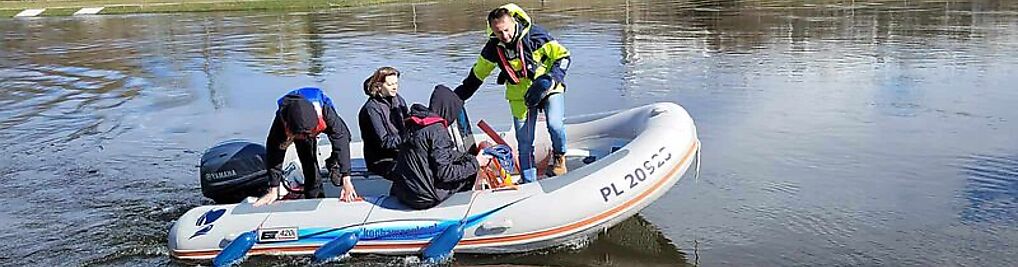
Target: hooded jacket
<point x="307" y="110"/>
<point x="428" y="168"/>
<point x="541" y="55"/>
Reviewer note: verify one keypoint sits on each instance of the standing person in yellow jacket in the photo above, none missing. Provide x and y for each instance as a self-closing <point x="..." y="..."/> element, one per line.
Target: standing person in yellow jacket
<point x="533" y="66"/>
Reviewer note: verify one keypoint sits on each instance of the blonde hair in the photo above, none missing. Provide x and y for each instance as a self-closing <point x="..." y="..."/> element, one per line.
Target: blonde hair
<point x="373" y="84"/>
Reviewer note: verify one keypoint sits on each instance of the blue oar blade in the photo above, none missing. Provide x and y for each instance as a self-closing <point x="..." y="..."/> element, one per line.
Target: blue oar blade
<point x="443" y="244"/>
<point x="235" y="250"/>
<point x="337" y="247"/>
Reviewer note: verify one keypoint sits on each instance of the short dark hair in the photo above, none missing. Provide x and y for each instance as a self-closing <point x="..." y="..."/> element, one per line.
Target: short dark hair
<point x="498" y="13"/>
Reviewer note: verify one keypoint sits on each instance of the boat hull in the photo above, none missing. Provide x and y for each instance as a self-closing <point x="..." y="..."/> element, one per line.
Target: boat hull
<point x="639" y="154"/>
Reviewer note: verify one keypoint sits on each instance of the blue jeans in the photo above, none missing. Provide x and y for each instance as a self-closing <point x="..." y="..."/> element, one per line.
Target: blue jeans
<point x="554" y="109"/>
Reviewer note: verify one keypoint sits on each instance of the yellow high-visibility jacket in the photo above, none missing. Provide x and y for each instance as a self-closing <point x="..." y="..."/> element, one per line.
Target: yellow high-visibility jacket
<point x="541" y="55"/>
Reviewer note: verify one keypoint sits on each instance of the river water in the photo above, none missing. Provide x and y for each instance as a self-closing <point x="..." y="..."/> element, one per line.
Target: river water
<point x="835" y="132"/>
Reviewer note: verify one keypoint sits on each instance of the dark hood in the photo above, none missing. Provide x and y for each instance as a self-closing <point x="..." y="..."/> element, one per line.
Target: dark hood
<point x="445" y="103"/>
<point x="422" y="116"/>
<point x="299" y="114"/>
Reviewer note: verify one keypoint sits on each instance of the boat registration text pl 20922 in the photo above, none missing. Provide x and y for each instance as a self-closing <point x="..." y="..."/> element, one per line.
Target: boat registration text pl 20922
<point x="637" y="176"/>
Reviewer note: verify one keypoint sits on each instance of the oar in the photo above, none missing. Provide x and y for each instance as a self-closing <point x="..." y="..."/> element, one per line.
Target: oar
<point x="343" y="243"/>
<point x="236" y="249"/>
<point x="443" y="244"/>
<point x="491" y="132"/>
<point x="337" y="247"/>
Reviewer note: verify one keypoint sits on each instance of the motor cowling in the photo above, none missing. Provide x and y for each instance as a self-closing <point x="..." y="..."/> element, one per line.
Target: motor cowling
<point x="233" y="170"/>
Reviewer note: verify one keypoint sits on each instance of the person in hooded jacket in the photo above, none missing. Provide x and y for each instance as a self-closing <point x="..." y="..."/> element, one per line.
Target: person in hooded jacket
<point x="533" y="67"/>
<point x="381" y="120"/>
<point x="429" y="168"/>
<point x="303" y="114"/>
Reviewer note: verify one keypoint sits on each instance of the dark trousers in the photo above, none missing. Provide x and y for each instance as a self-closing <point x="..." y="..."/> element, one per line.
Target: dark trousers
<point x="309" y="162"/>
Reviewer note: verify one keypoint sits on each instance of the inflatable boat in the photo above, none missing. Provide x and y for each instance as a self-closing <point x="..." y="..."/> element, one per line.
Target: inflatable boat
<point x="619" y="163"/>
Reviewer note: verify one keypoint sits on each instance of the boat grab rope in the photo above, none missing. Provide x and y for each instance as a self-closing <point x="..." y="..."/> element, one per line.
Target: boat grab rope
<point x="373" y="205"/>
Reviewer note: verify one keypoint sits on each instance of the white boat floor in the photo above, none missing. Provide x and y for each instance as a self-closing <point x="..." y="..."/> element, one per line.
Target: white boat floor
<point x="581" y="153"/>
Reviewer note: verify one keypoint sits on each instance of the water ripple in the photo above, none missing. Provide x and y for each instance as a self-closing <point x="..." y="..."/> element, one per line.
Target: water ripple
<point x="991" y="189"/>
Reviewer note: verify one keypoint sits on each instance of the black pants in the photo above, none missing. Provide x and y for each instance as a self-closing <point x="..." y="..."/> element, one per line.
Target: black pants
<point x="309" y="163"/>
<point x="382" y="167"/>
<point x="445" y="190"/>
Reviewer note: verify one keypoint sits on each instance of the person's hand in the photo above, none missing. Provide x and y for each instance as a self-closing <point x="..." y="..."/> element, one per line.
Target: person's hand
<point x="538" y="90"/>
<point x="484" y="144"/>
<point x="481" y="180"/>
<point x="348" y="193"/>
<point x="269" y="197"/>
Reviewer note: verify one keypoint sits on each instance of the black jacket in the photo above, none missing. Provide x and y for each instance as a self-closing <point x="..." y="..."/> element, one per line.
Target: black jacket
<point x="429" y="168"/>
<point x="382" y="130"/>
<point x="338" y="162"/>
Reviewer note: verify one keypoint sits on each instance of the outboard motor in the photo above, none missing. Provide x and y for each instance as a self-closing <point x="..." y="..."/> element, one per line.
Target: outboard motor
<point x="233" y="170"/>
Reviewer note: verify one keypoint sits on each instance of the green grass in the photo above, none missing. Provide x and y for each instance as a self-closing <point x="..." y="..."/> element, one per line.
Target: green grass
<point x="63" y="11"/>
<point x="67" y="7"/>
<point x="7" y="13"/>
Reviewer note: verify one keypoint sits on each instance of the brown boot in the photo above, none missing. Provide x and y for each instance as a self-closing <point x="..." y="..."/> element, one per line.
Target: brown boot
<point x="558" y="166"/>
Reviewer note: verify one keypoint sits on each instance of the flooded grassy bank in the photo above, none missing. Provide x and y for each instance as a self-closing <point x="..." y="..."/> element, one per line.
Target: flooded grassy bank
<point x="67" y="8"/>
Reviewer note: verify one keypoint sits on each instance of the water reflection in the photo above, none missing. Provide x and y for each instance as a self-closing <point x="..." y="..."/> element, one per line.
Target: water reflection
<point x="824" y="122"/>
<point x="634" y="242"/>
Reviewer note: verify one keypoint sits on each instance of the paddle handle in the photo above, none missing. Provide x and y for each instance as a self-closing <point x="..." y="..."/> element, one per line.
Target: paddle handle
<point x="491" y="132"/>
<point x="495" y="137"/>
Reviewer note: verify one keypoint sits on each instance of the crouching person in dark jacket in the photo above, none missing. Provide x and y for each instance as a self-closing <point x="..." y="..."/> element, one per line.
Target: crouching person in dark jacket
<point x="428" y="168"/>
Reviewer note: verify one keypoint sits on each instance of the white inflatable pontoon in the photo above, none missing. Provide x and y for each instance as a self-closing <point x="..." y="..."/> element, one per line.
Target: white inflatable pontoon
<point x="619" y="164"/>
